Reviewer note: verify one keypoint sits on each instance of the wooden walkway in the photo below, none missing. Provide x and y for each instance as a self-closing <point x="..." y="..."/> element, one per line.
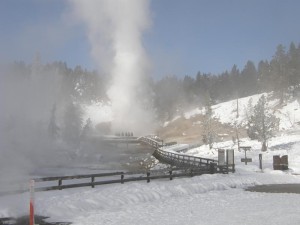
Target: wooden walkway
<point x="181" y="166"/>
<point x="181" y="160"/>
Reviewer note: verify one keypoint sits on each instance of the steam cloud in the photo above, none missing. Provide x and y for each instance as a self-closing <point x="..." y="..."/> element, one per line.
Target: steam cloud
<point x="115" y="30"/>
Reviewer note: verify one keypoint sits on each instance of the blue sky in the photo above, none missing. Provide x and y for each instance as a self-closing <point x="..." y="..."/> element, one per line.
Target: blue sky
<point x="186" y="36"/>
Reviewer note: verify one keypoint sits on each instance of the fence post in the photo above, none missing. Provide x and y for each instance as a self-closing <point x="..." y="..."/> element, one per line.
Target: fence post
<point x="212" y="168"/>
<point x="171" y="177"/>
<point x="60" y="183"/>
<point x="122" y="178"/>
<point x="93" y="180"/>
<point x="148" y="177"/>
<point x="260" y="161"/>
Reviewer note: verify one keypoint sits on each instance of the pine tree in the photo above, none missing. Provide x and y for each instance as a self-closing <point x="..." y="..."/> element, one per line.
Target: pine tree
<point x="279" y="70"/>
<point x="262" y="125"/>
<point x="72" y="124"/>
<point x="209" y="133"/>
<point x="249" y="79"/>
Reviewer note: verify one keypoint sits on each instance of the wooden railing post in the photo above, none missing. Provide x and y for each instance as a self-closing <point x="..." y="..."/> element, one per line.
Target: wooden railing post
<point x="59" y="183"/>
<point x="171" y="177"/>
<point x="122" y="178"/>
<point x="92" y="181"/>
<point x="148" y="177"/>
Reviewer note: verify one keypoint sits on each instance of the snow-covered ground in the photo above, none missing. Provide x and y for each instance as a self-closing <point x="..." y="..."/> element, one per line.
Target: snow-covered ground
<point x="225" y="112"/>
<point x="207" y="199"/>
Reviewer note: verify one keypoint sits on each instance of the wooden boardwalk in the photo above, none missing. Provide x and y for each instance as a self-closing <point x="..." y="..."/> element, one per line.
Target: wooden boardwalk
<point x="182" y="160"/>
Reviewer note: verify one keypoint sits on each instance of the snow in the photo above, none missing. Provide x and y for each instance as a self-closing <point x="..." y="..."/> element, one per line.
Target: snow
<point x="289" y="115"/>
<point x="225" y="112"/>
<point x="183" y="200"/>
<point x="208" y="199"/>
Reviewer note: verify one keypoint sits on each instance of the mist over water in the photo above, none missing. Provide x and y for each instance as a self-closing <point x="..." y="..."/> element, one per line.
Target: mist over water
<point x="115" y="29"/>
<point x="31" y="94"/>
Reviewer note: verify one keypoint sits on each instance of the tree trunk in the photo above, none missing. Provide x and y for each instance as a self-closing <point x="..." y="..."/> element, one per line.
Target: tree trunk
<point x="264" y="146"/>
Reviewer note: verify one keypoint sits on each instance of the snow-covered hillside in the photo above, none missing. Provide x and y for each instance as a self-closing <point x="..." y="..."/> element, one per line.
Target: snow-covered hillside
<point x="226" y="112"/>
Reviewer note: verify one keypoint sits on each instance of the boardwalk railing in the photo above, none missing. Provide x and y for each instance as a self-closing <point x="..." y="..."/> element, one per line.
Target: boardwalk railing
<point x="66" y="182"/>
<point x="182" y="160"/>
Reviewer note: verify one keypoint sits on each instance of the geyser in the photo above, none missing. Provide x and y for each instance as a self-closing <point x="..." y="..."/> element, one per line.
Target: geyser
<point x="114" y="29"/>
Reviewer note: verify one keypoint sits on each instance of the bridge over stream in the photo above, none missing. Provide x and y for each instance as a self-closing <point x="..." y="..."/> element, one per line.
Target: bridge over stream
<point x="182" y="160"/>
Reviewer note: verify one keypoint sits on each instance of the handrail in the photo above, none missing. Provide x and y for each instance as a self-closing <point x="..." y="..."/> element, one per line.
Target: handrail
<point x="177" y="158"/>
<point x="137" y="176"/>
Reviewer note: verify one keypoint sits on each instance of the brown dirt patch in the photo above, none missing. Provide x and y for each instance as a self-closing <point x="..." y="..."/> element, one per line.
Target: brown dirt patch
<point x="191" y="130"/>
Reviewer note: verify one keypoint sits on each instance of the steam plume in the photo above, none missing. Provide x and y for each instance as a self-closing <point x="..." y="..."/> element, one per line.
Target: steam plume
<point x="115" y="32"/>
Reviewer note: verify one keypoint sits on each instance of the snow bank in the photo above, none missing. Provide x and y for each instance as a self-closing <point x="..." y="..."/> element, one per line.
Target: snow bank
<point x="77" y="204"/>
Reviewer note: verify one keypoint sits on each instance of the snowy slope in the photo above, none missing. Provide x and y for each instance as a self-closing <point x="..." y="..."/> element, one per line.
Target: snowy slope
<point x="225" y="112"/>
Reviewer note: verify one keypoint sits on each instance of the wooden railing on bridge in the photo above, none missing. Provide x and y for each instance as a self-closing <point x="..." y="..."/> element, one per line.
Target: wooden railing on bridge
<point x="183" y="160"/>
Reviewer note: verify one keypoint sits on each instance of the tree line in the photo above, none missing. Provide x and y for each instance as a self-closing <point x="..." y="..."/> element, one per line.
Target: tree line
<point x="281" y="75"/>
<point x="171" y="95"/>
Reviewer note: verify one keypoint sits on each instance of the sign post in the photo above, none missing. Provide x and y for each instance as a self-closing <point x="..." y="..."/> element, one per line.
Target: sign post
<point x="260" y="161"/>
<point x="246" y="160"/>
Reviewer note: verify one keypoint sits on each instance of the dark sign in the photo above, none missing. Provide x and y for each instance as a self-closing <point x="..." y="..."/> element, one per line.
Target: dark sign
<point x="246" y="159"/>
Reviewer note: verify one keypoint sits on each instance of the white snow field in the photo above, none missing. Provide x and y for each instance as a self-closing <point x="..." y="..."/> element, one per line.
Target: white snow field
<point x="207" y="200"/>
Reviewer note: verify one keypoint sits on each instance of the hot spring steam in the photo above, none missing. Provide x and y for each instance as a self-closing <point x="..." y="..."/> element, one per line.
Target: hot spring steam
<point x="114" y="29"/>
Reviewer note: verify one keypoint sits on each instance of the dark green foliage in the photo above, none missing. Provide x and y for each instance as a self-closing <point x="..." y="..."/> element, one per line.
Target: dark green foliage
<point x="262" y="124"/>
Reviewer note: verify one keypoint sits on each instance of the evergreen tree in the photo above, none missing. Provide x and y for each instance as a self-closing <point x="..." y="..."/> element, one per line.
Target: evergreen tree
<point x="249" y="79"/>
<point x="294" y="65"/>
<point x="279" y="70"/>
<point x="264" y="77"/>
<point x="262" y="125"/>
<point x="72" y="124"/>
<point x="208" y="126"/>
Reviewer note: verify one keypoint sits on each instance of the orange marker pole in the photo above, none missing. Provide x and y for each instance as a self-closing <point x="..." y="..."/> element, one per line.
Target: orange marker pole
<point x="31" y="204"/>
